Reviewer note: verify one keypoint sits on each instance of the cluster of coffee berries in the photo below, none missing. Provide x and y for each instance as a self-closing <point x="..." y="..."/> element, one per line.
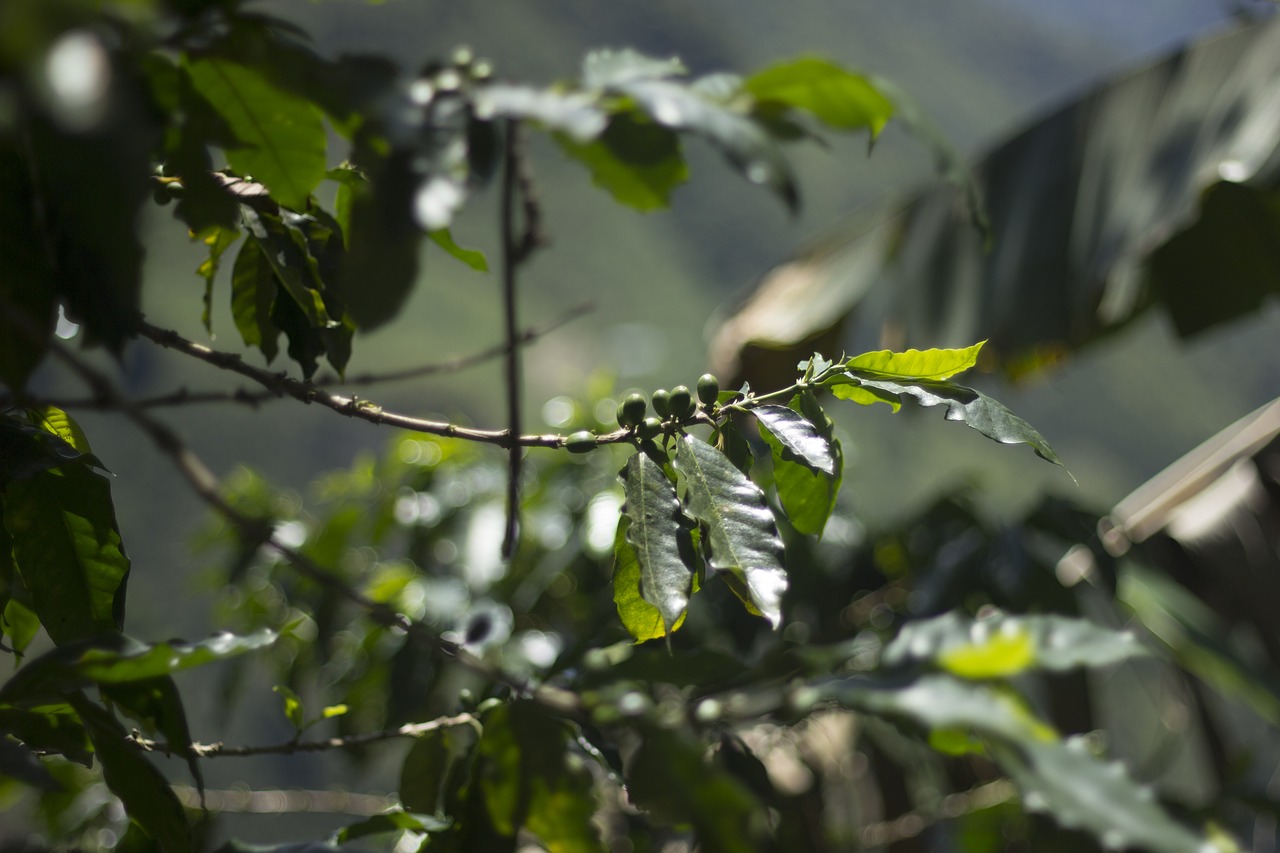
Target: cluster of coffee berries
<point x="677" y="405"/>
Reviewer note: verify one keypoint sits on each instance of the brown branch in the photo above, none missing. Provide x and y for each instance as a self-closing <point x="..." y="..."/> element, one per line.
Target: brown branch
<point x="511" y="258"/>
<point x="283" y="385"/>
<point x="205" y="484"/>
<point x="280" y="801"/>
<point x="221" y="750"/>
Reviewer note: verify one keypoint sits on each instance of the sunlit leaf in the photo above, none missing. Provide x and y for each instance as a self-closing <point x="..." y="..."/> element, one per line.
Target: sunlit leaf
<point x="27" y="449"/>
<point x="841" y="99"/>
<point x="638" y="162"/>
<point x="657" y="532"/>
<point x="392" y="821"/>
<point x="798" y="436"/>
<point x="218" y="240"/>
<point x="641" y="619"/>
<point x="742" y="539"/>
<point x="471" y="257"/>
<point x="283" y="136"/>
<point x="914" y="364"/>
<point x="575" y="114"/>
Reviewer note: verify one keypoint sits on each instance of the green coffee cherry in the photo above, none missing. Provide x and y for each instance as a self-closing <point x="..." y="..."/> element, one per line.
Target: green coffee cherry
<point x="631" y="410"/>
<point x="708" y="389"/>
<point x="661" y="400"/>
<point x="582" y="441"/>
<point x="649" y="428"/>
<point x="682" y="405"/>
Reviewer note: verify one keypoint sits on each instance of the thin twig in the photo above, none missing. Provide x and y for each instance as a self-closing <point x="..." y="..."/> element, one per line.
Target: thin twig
<point x="279" y="801"/>
<point x="221" y="750"/>
<point x="283" y="385"/>
<point x="183" y="396"/>
<point x="511" y="257"/>
<point x="205" y="484"/>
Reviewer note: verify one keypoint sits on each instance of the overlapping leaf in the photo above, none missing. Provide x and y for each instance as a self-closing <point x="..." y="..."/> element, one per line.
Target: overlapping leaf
<point x="657" y="532"/>
<point x="742" y="539"/>
<point x="841" y="99"/>
<point x="807" y="465"/>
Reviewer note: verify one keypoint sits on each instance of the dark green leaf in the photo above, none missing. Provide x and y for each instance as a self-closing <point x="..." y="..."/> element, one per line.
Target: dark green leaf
<point x="472" y="258"/>
<point x="26" y="449"/>
<point x="434" y="768"/>
<point x="971" y="408"/>
<point x="393" y="821"/>
<point x="120" y="660"/>
<point x="26" y="274"/>
<point x="742" y="539"/>
<point x="253" y="294"/>
<point x="798" y="436"/>
<point x="382" y="241"/>
<point x="68" y="551"/>
<point x="807" y="496"/>
<point x="156" y="703"/>
<point x="669" y="777"/>
<point x="50" y="728"/>
<point x="20" y="763"/>
<point x="841" y="99"/>
<point x="529" y="779"/>
<point x="282" y="136"/>
<point x="658" y="533"/>
<point x="146" y="795"/>
<point x="640" y="163"/>
<point x="1000" y="646"/>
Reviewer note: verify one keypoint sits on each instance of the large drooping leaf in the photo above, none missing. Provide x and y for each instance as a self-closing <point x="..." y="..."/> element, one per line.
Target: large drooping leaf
<point x="1107" y="181"/>
<point x="282" y="136"/>
<point x="742" y="539"/>
<point x="1000" y="645"/>
<point x="970" y="407"/>
<point x="121" y="660"/>
<point x="841" y="99"/>
<point x="1079" y="790"/>
<point x="642" y="620"/>
<point x="68" y="551"/>
<point x="530" y="781"/>
<point x="658" y="534"/>
<point x="146" y="794"/>
<point x="253" y="294"/>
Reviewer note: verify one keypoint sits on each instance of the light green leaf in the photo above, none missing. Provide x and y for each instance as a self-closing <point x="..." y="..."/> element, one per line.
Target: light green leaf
<point x="638" y="162"/>
<point x="657" y="531"/>
<point x="863" y="396"/>
<point x="392" y="821"/>
<point x="841" y="99"/>
<point x="807" y="496"/>
<point x="283" y="135"/>
<point x="146" y="794"/>
<point x="972" y="408"/>
<point x="26" y="448"/>
<point x="472" y="258"/>
<point x="218" y="240"/>
<point x="999" y="646"/>
<point x="68" y="551"/>
<point x="742" y="539"/>
<point x="641" y="619"/>
<point x="914" y="364"/>
<point x="293" y="709"/>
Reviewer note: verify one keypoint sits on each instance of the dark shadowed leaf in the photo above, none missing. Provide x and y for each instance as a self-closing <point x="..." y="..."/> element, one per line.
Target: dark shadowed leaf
<point x="742" y="539"/>
<point x="282" y="136"/>
<point x="393" y="821"/>
<point x="26" y="274"/>
<point x="253" y="294"/>
<point x="145" y="792"/>
<point x="156" y="703"/>
<point x="68" y="550"/>
<point x="657" y="532"/>
<point x="841" y="99"/>
<point x="26" y="449"/>
<point x="19" y="763"/>
<point x="51" y="728"/>
<point x="435" y="768"/>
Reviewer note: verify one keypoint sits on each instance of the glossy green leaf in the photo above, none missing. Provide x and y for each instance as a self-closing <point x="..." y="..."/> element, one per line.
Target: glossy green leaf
<point x="669" y="777"/>
<point x="283" y="136"/>
<point x="840" y="99"/>
<point x="53" y="420"/>
<point x="145" y="792"/>
<point x="116" y="659"/>
<point x="530" y="779"/>
<point x="253" y="294"/>
<point x="471" y="257"/>
<point x="808" y="497"/>
<point x="642" y="620"/>
<point x="914" y="364"/>
<point x="798" y="436"/>
<point x="435" y="768"/>
<point x="999" y="646"/>
<point x="68" y="550"/>
<point x="657" y="532"/>
<point x="638" y="162"/>
<point x="973" y="409"/>
<point x="742" y="539"/>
